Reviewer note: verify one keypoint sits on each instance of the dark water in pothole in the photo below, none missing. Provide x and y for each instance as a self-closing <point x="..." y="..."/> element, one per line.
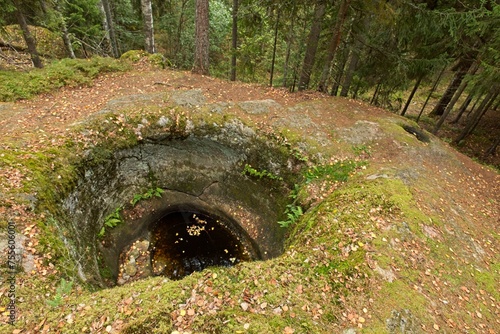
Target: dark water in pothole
<point x="185" y="242"/>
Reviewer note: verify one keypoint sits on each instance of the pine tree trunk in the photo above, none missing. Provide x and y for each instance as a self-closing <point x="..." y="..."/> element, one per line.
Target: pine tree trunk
<point x="274" y="48"/>
<point x="356" y="90"/>
<point x="43" y="5"/>
<point x="312" y="46"/>
<point x="476" y="117"/>
<point x="450" y="105"/>
<point x="147" y="15"/>
<point x="462" y="69"/>
<point x="201" y="54"/>
<point x="413" y="91"/>
<point x="496" y="105"/>
<point x="28" y="38"/>
<point x="493" y="148"/>
<point x="485" y="109"/>
<point x="338" y="76"/>
<point x="434" y="86"/>
<point x="180" y="26"/>
<point x="463" y="107"/>
<point x="375" y="94"/>
<point x="289" y="47"/>
<point x="473" y="106"/>
<point x="353" y="64"/>
<point x="473" y="69"/>
<point x="334" y="44"/>
<point x="234" y="40"/>
<point x="110" y="28"/>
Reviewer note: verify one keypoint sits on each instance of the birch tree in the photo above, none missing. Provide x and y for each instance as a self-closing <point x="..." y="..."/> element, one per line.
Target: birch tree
<point x="147" y="15"/>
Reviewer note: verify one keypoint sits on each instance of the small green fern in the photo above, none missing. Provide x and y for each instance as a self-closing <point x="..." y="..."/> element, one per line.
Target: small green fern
<point x="153" y="192"/>
<point x="112" y="220"/>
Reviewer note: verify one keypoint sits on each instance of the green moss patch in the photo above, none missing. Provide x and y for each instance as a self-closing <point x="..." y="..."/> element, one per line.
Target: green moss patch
<point x="16" y="85"/>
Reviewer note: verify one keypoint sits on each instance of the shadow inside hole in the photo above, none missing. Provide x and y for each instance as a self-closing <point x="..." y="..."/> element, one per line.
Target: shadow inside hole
<point x="419" y="133"/>
<point x="185" y="242"/>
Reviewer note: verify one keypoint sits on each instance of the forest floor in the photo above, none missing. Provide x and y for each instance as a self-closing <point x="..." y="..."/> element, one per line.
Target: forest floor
<point x="467" y="286"/>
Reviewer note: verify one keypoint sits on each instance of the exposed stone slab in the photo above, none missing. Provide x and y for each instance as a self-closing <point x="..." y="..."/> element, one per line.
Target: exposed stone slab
<point x="259" y="107"/>
<point x="188" y="98"/>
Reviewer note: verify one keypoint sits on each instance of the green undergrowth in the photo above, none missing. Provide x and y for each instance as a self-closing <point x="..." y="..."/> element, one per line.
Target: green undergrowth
<point x="15" y="85"/>
<point x="47" y="173"/>
<point x="326" y="174"/>
<point x="114" y="219"/>
<point x="488" y="280"/>
<point x="55" y="251"/>
<point x="111" y="221"/>
<point x="358" y="221"/>
<point x="156" y="59"/>
<point x="63" y="289"/>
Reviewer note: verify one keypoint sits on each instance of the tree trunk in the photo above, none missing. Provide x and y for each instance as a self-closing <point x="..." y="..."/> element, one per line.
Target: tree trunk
<point x="463" y="107"/>
<point x="312" y="46"/>
<point x="201" y="54"/>
<point x="375" y="94"/>
<point x="484" y="111"/>
<point x="338" y="76"/>
<point x="289" y="47"/>
<point x="274" y="48"/>
<point x="454" y="100"/>
<point x="356" y="90"/>
<point x="413" y="91"/>
<point x="434" y="86"/>
<point x="234" y="40"/>
<point x="147" y="15"/>
<point x="65" y="34"/>
<point x="462" y="69"/>
<point x="67" y="40"/>
<point x="493" y="148"/>
<point x="473" y="106"/>
<point x="110" y="28"/>
<point x="105" y="27"/>
<point x="28" y="38"/>
<point x="496" y="105"/>
<point x="473" y="69"/>
<point x="478" y="114"/>
<point x="43" y="5"/>
<point x="180" y="26"/>
<point x="353" y="64"/>
<point x="334" y="43"/>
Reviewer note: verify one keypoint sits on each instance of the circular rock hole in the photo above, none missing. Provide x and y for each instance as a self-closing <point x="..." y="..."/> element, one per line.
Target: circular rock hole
<point x="209" y="212"/>
<point x="184" y="242"/>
